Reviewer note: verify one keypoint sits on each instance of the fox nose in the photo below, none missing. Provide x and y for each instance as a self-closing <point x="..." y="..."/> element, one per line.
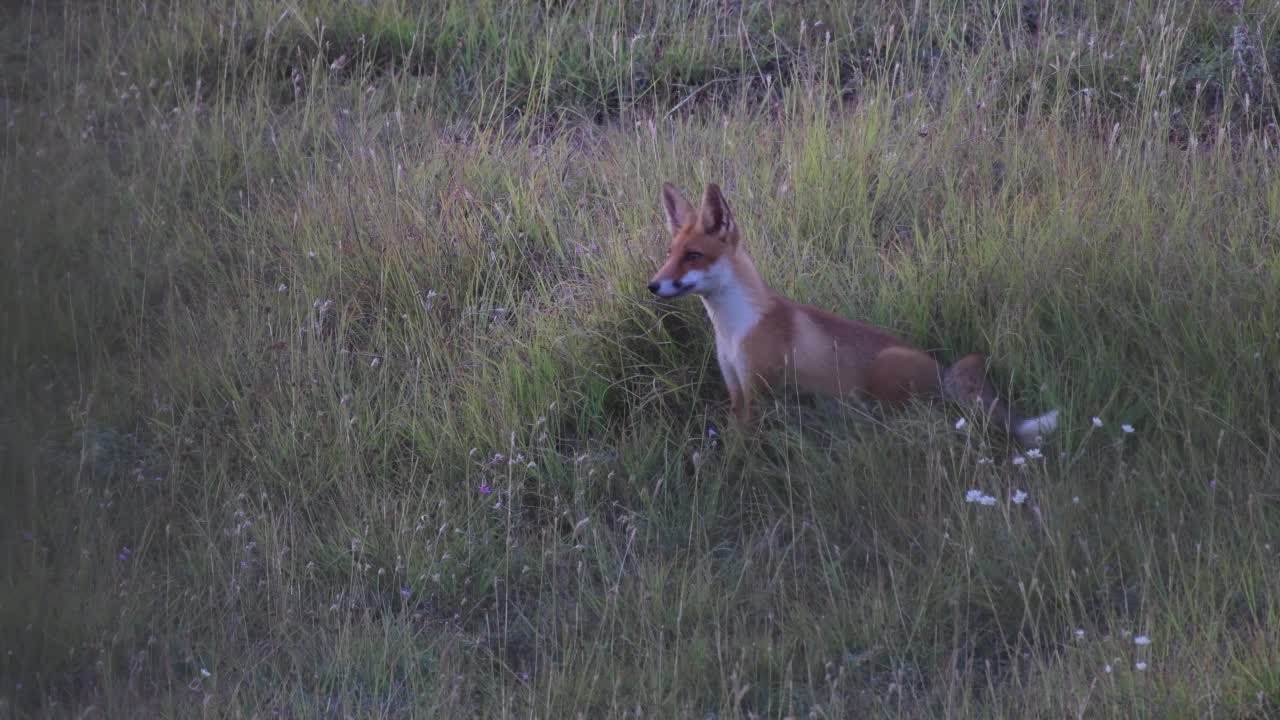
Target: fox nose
<point x="653" y="287"/>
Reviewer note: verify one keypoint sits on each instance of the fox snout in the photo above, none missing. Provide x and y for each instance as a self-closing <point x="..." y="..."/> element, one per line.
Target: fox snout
<point x="693" y="281"/>
<point x="670" y="280"/>
<point x="666" y="288"/>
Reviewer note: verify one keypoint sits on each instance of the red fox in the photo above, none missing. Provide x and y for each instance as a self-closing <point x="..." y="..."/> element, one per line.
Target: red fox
<point x="763" y="338"/>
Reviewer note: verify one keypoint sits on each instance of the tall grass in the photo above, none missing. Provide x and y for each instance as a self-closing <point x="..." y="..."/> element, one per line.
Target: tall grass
<point x="332" y="388"/>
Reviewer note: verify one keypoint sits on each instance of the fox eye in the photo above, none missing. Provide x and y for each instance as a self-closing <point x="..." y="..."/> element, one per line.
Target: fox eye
<point x="693" y="255"/>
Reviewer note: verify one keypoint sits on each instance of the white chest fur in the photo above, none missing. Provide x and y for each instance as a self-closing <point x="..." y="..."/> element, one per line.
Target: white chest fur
<point x="733" y="315"/>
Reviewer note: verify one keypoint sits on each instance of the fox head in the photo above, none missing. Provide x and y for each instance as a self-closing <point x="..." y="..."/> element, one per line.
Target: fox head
<point x="702" y="244"/>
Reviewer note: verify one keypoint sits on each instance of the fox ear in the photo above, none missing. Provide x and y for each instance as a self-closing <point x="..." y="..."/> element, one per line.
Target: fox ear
<point x="716" y="217"/>
<point x="679" y="211"/>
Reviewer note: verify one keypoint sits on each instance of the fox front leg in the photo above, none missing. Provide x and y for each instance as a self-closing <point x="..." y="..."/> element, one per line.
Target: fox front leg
<point x="739" y="399"/>
<point x="740" y="404"/>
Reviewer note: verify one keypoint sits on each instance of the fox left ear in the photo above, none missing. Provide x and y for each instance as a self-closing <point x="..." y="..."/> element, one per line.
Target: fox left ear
<point x="715" y="214"/>
<point x="679" y="211"/>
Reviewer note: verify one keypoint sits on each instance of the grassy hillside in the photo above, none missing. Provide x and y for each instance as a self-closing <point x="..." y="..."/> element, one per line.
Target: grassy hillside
<point x="331" y="387"/>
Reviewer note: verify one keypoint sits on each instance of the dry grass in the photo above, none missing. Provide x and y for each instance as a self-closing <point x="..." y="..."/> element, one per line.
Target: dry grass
<point x="332" y="387"/>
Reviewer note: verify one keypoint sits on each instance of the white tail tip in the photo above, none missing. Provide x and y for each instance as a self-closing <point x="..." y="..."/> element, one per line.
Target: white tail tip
<point x="1030" y="430"/>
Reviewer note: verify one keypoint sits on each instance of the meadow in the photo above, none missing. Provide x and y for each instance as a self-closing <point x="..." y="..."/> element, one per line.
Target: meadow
<point x="331" y="386"/>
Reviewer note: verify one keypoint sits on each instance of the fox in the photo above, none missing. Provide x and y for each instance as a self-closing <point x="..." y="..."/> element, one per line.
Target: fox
<point x="764" y="339"/>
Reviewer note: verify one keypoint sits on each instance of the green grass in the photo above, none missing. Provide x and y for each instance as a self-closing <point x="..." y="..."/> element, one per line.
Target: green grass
<point x="355" y="358"/>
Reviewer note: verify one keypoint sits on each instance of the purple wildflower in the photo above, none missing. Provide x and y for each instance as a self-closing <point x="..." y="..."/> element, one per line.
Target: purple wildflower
<point x="485" y="489"/>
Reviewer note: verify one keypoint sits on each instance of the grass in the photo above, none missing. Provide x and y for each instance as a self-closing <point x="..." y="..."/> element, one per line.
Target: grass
<point x="331" y="386"/>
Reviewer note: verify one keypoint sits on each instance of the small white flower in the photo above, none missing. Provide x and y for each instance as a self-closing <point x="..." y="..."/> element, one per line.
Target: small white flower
<point x="1080" y="633"/>
<point x="375" y="362"/>
<point x="1127" y="428"/>
<point x="985" y="461"/>
<point x="977" y="496"/>
<point x="282" y="287"/>
<point x="1075" y="500"/>
<point x="1019" y="460"/>
<point x="1019" y="497"/>
<point x="311" y="254"/>
<point x="205" y="673"/>
<point x="961" y="423"/>
<point x="1097" y="422"/>
<point x="1035" y="454"/>
<point x="1141" y="665"/>
<point x="1142" y="640"/>
<point x="1107" y="668"/>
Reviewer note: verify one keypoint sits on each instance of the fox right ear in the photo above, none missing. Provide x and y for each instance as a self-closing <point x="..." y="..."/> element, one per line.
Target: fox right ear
<point x="679" y="211"/>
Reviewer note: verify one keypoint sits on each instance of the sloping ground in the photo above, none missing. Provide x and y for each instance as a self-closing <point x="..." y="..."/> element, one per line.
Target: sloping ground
<point x="332" y="387"/>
